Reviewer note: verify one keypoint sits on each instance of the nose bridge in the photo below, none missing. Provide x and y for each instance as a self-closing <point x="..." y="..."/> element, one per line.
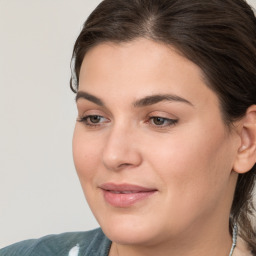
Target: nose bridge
<point x="121" y="149"/>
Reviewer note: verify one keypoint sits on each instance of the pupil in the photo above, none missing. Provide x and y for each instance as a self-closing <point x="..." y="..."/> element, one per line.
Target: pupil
<point x="158" y="120"/>
<point x="94" y="119"/>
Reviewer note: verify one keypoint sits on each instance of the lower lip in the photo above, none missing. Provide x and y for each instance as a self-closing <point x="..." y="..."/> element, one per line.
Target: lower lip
<point x="125" y="200"/>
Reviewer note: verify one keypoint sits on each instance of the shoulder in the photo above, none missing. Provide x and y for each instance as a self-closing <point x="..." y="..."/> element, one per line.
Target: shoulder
<point x="92" y="242"/>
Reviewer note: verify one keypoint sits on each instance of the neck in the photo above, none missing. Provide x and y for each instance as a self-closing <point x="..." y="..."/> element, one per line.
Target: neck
<point x="207" y="241"/>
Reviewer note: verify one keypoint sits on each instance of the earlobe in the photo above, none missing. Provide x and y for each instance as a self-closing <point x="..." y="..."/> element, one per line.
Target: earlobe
<point x="246" y="155"/>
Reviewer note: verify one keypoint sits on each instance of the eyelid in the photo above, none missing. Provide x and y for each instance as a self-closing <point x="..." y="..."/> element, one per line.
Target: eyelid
<point x="169" y="120"/>
<point x="87" y="112"/>
<point x="162" y="114"/>
<point x="85" y="120"/>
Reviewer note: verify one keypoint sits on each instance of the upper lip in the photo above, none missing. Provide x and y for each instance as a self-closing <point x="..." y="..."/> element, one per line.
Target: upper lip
<point x="125" y="187"/>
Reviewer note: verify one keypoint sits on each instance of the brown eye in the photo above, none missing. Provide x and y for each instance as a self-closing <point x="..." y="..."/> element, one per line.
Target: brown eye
<point x="162" y="121"/>
<point x="158" y="120"/>
<point x="94" y="119"/>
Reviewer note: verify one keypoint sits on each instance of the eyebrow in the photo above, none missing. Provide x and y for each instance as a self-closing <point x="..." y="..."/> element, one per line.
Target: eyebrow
<point x="153" y="99"/>
<point x="89" y="97"/>
<point x="146" y="101"/>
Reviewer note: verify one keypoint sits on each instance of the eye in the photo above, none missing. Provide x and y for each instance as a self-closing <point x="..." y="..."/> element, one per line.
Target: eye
<point x="93" y="120"/>
<point x="162" y="122"/>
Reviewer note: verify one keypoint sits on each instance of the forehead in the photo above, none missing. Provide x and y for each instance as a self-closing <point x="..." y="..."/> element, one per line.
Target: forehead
<point x="138" y="67"/>
<point x="139" y="53"/>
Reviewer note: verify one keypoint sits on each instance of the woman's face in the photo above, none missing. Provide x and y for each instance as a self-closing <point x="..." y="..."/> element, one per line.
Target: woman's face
<point x="152" y="153"/>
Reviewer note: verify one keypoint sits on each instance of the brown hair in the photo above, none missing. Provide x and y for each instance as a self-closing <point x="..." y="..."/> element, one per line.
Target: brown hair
<point x="217" y="35"/>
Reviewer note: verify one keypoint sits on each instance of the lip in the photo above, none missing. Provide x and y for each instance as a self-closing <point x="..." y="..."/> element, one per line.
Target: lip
<point x="125" y="195"/>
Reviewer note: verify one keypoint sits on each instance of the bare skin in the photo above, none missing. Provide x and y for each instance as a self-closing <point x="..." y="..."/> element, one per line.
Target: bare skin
<point x="241" y="249"/>
<point x="146" y="117"/>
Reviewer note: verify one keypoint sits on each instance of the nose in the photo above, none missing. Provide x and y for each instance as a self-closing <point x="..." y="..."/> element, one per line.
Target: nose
<point x="121" y="150"/>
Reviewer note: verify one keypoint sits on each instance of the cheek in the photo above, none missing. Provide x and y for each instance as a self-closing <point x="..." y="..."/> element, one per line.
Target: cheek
<point x="194" y="162"/>
<point x="85" y="155"/>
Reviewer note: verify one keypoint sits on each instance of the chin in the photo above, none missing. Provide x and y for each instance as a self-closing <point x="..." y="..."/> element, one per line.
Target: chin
<point x="132" y="230"/>
<point x="122" y="234"/>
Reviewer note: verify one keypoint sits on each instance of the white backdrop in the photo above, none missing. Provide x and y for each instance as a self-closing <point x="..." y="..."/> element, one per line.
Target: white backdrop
<point x="39" y="191"/>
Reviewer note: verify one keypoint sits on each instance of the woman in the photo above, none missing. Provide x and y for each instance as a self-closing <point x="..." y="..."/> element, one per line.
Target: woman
<point x="165" y="140"/>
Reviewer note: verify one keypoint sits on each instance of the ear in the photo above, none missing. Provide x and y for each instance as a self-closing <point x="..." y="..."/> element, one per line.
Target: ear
<point x="246" y="155"/>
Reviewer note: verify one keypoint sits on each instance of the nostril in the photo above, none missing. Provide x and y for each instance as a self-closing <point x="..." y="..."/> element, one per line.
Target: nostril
<point x="125" y="164"/>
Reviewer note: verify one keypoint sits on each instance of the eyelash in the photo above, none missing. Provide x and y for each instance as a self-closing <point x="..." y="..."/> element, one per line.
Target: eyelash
<point x="86" y="121"/>
<point x="167" y="122"/>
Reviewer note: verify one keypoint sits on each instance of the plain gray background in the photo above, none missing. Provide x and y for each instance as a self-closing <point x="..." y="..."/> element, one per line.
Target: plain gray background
<point x="39" y="190"/>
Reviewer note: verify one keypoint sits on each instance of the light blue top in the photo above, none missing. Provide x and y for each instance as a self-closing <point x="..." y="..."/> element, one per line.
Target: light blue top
<point x="90" y="243"/>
